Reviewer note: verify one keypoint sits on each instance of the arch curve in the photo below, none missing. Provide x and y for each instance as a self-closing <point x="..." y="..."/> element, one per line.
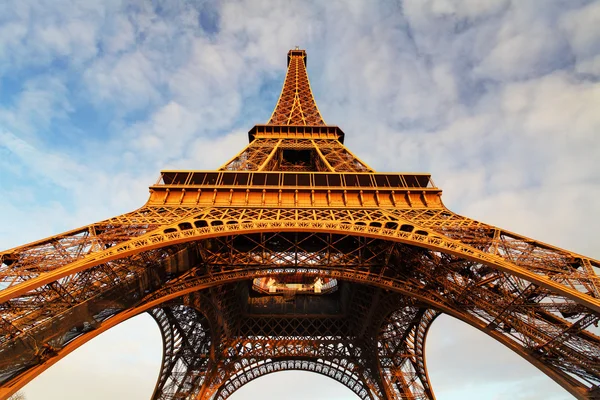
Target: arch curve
<point x="188" y="346"/>
<point x="445" y="288"/>
<point x="336" y="372"/>
<point x="222" y="227"/>
<point x="401" y="351"/>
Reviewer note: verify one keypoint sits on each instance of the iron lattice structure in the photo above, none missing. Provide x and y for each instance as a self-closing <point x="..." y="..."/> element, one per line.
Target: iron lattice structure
<point x="296" y="255"/>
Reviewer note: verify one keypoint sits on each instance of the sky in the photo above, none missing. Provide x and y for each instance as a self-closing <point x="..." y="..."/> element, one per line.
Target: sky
<point x="499" y="100"/>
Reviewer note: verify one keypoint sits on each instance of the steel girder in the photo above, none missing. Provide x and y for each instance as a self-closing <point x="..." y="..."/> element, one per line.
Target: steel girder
<point x="565" y="272"/>
<point x="515" y="301"/>
<point x="547" y="327"/>
<point x="264" y="154"/>
<point x="376" y="361"/>
<point x="187" y="351"/>
<point x="296" y="104"/>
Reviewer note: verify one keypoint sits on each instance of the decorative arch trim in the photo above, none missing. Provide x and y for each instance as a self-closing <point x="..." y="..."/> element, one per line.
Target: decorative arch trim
<point x="567" y="382"/>
<point x="420" y="237"/>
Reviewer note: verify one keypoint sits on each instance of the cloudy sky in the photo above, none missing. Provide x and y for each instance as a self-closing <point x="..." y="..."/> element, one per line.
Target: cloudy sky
<point x="498" y="99"/>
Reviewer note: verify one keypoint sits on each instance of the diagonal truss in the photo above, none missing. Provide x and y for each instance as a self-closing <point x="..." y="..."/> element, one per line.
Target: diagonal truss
<point x="188" y="352"/>
<point x="318" y="345"/>
<point x="268" y="154"/>
<point x="295" y="206"/>
<point x="296" y="104"/>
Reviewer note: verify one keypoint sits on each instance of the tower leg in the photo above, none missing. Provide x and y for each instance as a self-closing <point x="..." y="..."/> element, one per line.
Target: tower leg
<point x="187" y="352"/>
<point x="401" y="354"/>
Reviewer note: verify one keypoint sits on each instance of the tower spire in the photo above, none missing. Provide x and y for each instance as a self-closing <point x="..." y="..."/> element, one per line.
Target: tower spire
<point x="296" y="104"/>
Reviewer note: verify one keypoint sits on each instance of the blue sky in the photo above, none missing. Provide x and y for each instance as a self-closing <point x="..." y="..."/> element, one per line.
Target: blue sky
<point x="497" y="99"/>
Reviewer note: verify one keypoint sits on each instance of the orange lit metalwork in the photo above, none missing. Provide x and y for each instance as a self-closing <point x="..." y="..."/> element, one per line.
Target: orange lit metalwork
<point x="296" y="255"/>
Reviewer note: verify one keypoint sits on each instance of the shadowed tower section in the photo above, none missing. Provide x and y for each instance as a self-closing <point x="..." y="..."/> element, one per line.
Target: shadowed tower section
<point x="296" y="255"/>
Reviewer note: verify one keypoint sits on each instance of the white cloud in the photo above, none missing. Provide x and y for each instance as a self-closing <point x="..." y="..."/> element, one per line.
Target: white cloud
<point x="42" y="102"/>
<point x="522" y="53"/>
<point x="72" y="38"/>
<point x="42" y="32"/>
<point x="129" y="81"/>
<point x="581" y="26"/>
<point x="55" y="169"/>
<point x="120" y="36"/>
<point x="589" y="66"/>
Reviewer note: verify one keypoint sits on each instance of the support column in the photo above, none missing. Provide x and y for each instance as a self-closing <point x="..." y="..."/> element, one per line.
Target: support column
<point x="401" y="353"/>
<point x="186" y="352"/>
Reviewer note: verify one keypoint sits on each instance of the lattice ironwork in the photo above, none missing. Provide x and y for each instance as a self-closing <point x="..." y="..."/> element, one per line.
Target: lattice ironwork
<point x="296" y="104"/>
<point x="296" y="206"/>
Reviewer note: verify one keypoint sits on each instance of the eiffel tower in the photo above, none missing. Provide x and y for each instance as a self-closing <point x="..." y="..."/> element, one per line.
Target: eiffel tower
<point x="296" y="255"/>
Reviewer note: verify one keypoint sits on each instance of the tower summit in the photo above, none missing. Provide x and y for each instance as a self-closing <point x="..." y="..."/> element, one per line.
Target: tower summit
<point x="296" y="255"/>
<point x="296" y="104"/>
<point x="296" y="137"/>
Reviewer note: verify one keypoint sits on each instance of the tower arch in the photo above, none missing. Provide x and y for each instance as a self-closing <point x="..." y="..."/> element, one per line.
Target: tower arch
<point x="337" y="244"/>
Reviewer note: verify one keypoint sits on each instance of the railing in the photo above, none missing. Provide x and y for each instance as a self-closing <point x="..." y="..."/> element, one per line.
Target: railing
<point x="215" y="179"/>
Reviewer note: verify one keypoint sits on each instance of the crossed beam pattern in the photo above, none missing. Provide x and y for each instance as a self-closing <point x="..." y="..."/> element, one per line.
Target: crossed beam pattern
<point x="547" y="328"/>
<point x="296" y="104"/>
<point x="249" y="350"/>
<point x="297" y="205"/>
<point x="323" y="155"/>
